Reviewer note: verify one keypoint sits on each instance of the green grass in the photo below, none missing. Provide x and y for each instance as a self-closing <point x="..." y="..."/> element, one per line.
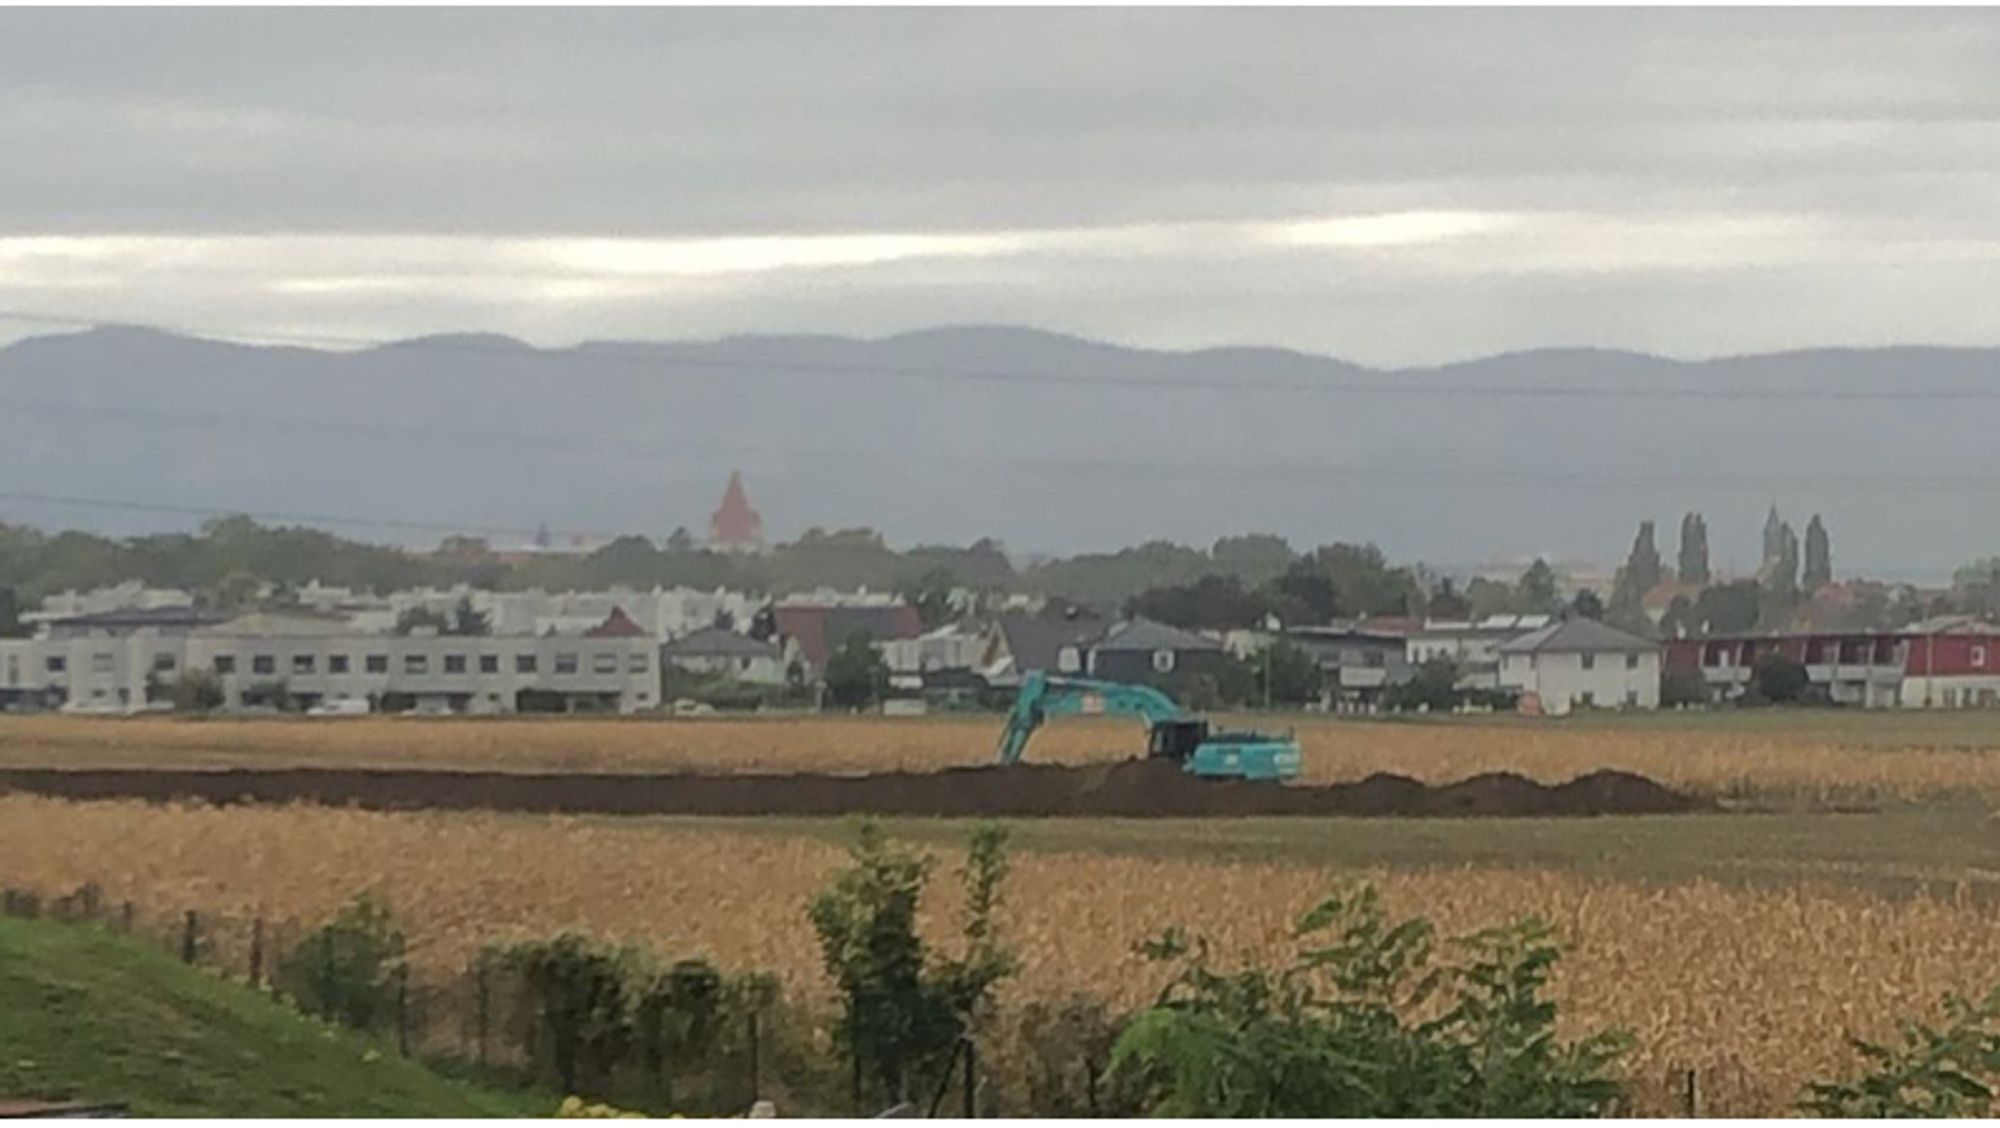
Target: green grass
<point x="1895" y="852"/>
<point x="87" y="1015"/>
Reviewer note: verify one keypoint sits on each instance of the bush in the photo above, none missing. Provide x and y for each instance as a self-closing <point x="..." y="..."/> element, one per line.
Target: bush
<point x="347" y="970"/>
<point x="1953" y="1070"/>
<point x="1066" y="1048"/>
<point x="1778" y="680"/>
<point x="1433" y="686"/>
<point x="1683" y="687"/>
<point x="196" y="691"/>
<point x="904" y="1010"/>
<point x="272" y="694"/>
<point x="573" y="995"/>
<point x="1342" y="1032"/>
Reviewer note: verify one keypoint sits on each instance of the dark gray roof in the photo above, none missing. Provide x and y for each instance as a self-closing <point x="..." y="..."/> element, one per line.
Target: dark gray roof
<point x="142" y="617"/>
<point x="1584" y="635"/>
<point x="714" y="642"/>
<point x="1035" y="642"/>
<point x="1147" y="635"/>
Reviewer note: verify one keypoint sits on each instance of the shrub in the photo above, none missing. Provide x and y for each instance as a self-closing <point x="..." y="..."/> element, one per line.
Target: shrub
<point x="573" y="992"/>
<point x="1066" y="1047"/>
<point x="347" y="970"/>
<point x="196" y="691"/>
<point x="1777" y="679"/>
<point x="1683" y="687"/>
<point x="1950" y="1070"/>
<point x="1338" y="1032"/>
<point x="904" y="1011"/>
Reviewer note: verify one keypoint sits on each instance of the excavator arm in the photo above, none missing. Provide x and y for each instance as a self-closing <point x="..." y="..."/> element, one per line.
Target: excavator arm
<point x="1042" y="697"/>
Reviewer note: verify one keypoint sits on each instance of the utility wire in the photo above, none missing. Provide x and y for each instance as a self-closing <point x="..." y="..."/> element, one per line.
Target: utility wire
<point x="658" y="358"/>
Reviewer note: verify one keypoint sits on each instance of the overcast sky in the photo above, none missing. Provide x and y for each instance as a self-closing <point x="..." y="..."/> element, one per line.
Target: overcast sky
<point x="1395" y="187"/>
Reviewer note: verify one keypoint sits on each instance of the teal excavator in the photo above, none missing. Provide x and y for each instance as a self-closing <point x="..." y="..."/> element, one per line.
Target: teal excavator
<point x="1170" y="732"/>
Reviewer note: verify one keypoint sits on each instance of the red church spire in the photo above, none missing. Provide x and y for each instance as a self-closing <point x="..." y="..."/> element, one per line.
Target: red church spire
<point x="735" y="527"/>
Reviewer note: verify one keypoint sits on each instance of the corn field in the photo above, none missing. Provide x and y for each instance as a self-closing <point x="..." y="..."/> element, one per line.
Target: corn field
<point x="1752" y="990"/>
<point x="1861" y="757"/>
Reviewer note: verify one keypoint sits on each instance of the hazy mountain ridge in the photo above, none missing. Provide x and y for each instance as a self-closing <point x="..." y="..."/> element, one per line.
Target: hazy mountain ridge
<point x="1048" y="441"/>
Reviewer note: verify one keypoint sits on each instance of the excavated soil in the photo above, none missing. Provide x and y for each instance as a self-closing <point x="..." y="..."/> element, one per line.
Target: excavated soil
<point x="1133" y="789"/>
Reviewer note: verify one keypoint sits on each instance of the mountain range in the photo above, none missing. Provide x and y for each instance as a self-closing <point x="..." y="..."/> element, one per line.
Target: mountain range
<point x="1050" y="443"/>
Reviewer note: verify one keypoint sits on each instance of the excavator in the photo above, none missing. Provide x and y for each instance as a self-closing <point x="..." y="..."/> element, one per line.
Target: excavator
<point x="1171" y="732"/>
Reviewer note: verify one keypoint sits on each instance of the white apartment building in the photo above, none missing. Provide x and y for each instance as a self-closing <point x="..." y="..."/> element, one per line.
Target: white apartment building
<point x="1582" y="664"/>
<point x="321" y="660"/>
<point x="1473" y="646"/>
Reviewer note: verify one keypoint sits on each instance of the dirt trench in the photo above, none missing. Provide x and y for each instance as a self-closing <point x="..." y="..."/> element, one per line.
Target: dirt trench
<point x="1131" y="789"/>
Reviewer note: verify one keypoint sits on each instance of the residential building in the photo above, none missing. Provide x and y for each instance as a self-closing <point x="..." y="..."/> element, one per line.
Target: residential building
<point x="1143" y="651"/>
<point x="1474" y="647"/>
<point x="1359" y="660"/>
<point x="724" y="653"/>
<point x="809" y="634"/>
<point x="1017" y="645"/>
<point x="1949" y="662"/>
<point x="129" y="596"/>
<point x="103" y="661"/>
<point x="1581" y="664"/>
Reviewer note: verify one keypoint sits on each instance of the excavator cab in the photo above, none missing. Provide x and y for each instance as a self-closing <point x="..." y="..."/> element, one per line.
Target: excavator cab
<point x="1176" y="740"/>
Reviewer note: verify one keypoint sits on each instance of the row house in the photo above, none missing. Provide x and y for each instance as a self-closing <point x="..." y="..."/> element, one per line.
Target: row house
<point x="1949" y="662"/>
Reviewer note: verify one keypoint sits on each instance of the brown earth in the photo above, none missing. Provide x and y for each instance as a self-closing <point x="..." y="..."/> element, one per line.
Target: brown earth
<point x="1130" y="789"/>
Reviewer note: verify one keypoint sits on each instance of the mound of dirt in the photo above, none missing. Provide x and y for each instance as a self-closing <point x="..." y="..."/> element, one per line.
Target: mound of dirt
<point x="1132" y="789"/>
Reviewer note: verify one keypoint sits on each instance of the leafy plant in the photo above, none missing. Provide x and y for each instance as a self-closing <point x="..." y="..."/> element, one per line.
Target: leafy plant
<point x="1066" y="1048"/>
<point x="1339" y="1031"/>
<point x="346" y="970"/>
<point x="575" y="994"/>
<point x="905" y="1010"/>
<point x="1936" y="1071"/>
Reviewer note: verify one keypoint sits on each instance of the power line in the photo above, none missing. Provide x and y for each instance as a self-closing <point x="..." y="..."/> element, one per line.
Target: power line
<point x="1407" y="384"/>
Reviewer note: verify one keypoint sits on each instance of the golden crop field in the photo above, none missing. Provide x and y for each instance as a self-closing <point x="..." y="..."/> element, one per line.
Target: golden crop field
<point x="1816" y="756"/>
<point x="1754" y="988"/>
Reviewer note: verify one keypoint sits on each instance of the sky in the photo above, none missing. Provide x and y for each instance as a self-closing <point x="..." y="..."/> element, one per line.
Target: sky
<point x="1395" y="187"/>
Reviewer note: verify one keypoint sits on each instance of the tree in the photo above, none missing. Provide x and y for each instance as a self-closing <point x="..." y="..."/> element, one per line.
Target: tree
<point x="1366" y="1021"/>
<point x="1209" y="603"/>
<point x="196" y="691"/>
<point x="1286" y="675"/>
<point x="1725" y="608"/>
<point x="1446" y="603"/>
<point x="466" y="621"/>
<point x="1693" y="563"/>
<point x="420" y="619"/>
<point x="1587" y="605"/>
<point x="1252" y="559"/>
<point x="930" y="594"/>
<point x="681" y="542"/>
<point x="1305" y="594"/>
<point x="1537" y="589"/>
<point x="1640" y="574"/>
<point x="1683" y="687"/>
<point x="855" y="673"/>
<point x="1433" y="686"/>
<point x="1819" y="557"/>
<point x="11" y="625"/>
<point x="904" y="1009"/>
<point x="1778" y="679"/>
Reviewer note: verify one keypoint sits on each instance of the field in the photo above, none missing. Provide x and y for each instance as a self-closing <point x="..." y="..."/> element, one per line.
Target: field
<point x="1808" y="757"/>
<point x="1743" y="945"/>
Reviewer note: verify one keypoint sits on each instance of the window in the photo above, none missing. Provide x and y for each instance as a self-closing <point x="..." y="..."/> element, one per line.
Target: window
<point x="56" y="663"/>
<point x="1373" y="659"/>
<point x="1590" y="661"/>
<point x="304" y="664"/>
<point x="604" y="663"/>
<point x="638" y="664"/>
<point x="1069" y="659"/>
<point x="454" y="663"/>
<point x="376" y="663"/>
<point x="565" y="663"/>
<point x="743" y="664"/>
<point x="416" y="664"/>
<point x="225" y="664"/>
<point x="489" y="663"/>
<point x="163" y="663"/>
<point x="1631" y="699"/>
<point x="336" y="664"/>
<point x="1979" y="656"/>
<point x="524" y="663"/>
<point x="1632" y="661"/>
<point x="263" y="664"/>
<point x="103" y="663"/>
<point x="1163" y="661"/>
<point x="1587" y="700"/>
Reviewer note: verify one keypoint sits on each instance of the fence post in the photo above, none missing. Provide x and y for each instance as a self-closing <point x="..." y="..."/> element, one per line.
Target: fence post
<point x="403" y="1008"/>
<point x="125" y="918"/>
<point x="257" y="952"/>
<point x="480" y="1004"/>
<point x="971" y="1079"/>
<point x="1690" y="1096"/>
<point x="756" y="1088"/>
<point x="190" y="938"/>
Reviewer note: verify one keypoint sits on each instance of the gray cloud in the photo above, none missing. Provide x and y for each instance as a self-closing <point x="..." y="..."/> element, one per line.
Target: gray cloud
<point x="1690" y="181"/>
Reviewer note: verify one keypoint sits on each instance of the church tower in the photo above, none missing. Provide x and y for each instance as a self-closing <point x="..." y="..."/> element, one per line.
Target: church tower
<point x="735" y="527"/>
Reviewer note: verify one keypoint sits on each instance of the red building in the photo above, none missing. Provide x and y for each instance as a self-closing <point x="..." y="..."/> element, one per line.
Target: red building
<point x="1949" y="662"/>
<point x="735" y="527"/>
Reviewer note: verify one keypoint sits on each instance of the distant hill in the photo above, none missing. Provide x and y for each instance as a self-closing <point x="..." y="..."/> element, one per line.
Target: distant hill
<point x="89" y="1016"/>
<point x="1051" y="443"/>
